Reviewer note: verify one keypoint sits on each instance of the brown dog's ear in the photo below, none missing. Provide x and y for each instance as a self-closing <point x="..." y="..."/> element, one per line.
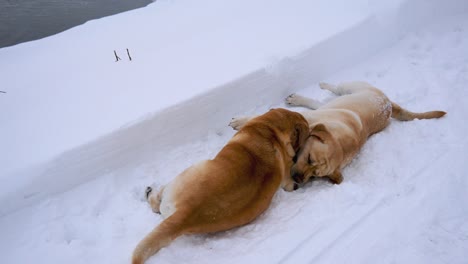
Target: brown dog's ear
<point x="320" y="132"/>
<point x="299" y="136"/>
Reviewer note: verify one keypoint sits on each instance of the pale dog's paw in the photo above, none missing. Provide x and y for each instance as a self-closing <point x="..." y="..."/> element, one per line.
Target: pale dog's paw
<point x="237" y="122"/>
<point x="292" y="100"/>
<point x="326" y="86"/>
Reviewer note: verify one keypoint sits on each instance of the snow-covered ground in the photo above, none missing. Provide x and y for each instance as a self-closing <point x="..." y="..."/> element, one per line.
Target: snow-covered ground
<point x="404" y="198"/>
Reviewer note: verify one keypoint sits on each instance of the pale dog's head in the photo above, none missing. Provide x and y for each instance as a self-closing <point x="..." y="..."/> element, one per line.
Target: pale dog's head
<point x="319" y="156"/>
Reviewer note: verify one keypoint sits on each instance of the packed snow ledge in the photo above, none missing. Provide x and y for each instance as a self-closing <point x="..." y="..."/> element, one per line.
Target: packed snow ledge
<point x="72" y="116"/>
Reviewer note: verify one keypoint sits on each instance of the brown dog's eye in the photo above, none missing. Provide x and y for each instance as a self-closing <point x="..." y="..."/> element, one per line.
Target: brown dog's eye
<point x="309" y="160"/>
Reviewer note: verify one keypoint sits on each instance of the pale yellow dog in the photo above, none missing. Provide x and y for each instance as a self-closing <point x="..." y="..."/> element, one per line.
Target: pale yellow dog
<point x="339" y="128"/>
<point x="233" y="188"/>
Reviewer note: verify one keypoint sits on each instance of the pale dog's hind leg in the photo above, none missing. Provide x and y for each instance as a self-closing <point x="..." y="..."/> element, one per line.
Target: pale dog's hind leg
<point x="338" y="90"/>
<point x="345" y="88"/>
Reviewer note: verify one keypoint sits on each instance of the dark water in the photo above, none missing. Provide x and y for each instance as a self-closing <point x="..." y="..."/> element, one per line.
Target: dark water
<point x="25" y="20"/>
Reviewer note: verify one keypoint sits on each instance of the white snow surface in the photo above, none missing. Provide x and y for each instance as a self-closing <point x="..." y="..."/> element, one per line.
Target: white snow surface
<point x="403" y="198"/>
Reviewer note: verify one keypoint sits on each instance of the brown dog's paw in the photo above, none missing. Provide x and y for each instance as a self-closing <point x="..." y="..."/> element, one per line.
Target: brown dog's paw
<point x="154" y="199"/>
<point x="290" y="186"/>
<point x="148" y="191"/>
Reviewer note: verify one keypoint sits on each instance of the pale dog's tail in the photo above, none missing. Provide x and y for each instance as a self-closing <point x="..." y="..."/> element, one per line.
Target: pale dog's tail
<point x="398" y="112"/>
<point x="402" y="114"/>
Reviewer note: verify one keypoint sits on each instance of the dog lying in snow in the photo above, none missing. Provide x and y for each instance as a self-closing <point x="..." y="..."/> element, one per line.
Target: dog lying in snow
<point x="232" y="189"/>
<point x="339" y="128"/>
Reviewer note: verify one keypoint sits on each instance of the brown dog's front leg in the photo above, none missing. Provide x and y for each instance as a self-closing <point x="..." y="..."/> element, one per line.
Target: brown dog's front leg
<point x="289" y="185"/>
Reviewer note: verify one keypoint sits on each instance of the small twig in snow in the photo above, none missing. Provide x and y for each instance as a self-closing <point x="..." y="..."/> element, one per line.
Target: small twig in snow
<point x="128" y="53"/>
<point x="117" y="58"/>
<point x="2" y="92"/>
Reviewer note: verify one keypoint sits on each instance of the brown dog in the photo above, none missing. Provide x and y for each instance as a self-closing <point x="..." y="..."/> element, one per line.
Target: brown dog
<point x="339" y="128"/>
<point x="232" y="189"/>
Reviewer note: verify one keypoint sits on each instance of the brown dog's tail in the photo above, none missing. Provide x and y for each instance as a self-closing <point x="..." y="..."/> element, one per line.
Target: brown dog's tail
<point x="404" y="115"/>
<point x="160" y="237"/>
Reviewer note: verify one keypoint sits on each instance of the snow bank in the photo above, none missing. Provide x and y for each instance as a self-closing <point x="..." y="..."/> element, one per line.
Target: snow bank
<point x="72" y="114"/>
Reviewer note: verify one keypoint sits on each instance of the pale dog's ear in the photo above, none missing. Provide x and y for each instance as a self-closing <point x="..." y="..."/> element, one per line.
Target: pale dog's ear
<point x="320" y="132"/>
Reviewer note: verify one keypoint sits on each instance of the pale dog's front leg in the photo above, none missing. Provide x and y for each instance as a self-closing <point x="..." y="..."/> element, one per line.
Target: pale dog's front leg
<point x="238" y="122"/>
<point x="297" y="100"/>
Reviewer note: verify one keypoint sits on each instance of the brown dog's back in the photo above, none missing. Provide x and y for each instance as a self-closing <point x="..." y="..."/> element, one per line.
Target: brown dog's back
<point x="235" y="187"/>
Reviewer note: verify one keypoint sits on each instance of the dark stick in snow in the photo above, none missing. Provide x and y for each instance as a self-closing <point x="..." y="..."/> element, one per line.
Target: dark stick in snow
<point x="128" y="53"/>
<point x="117" y="58"/>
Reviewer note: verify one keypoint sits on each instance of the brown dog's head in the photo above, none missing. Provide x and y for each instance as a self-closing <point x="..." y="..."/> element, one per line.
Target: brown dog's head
<point x="319" y="156"/>
<point x="291" y="127"/>
<point x="292" y="124"/>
